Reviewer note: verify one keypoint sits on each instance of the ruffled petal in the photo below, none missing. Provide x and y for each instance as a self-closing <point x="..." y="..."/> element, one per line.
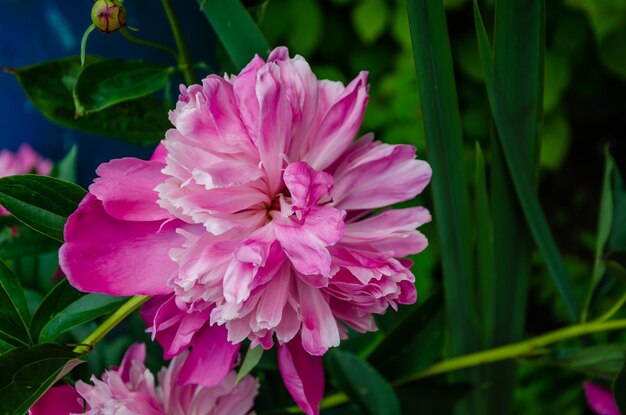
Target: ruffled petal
<point x="136" y="352"/>
<point x="126" y="189"/>
<point x="319" y="327"/>
<point x="378" y="175"/>
<point x="305" y="241"/>
<point x="339" y="126"/>
<point x="102" y="254"/>
<point x="303" y="375"/>
<point x="211" y="358"/>
<point x="306" y="185"/>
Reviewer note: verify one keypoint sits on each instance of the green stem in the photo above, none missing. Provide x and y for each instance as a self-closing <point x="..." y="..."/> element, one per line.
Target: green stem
<point x="83" y="44"/>
<point x="616" y="307"/>
<point x="147" y="43"/>
<point x="184" y="61"/>
<point x="109" y="324"/>
<point x="510" y="351"/>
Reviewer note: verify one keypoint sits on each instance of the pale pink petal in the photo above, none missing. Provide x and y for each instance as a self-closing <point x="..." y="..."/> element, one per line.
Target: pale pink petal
<point x="340" y="125"/>
<point x="319" y="327"/>
<point x="391" y="232"/>
<point x="211" y="358"/>
<point x="126" y="189"/>
<point x="305" y="241"/>
<point x="136" y="352"/>
<point x="58" y="400"/>
<point x="105" y="255"/>
<point x="379" y="175"/>
<point x="239" y="400"/>
<point x="303" y="375"/>
<point x="306" y="185"/>
<point x="274" y="135"/>
<point x="600" y="399"/>
<point x="244" y="87"/>
<point x="269" y="310"/>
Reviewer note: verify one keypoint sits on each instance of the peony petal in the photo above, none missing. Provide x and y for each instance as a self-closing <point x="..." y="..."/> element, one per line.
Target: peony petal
<point x="379" y="175"/>
<point x="306" y="185"/>
<point x="600" y="399"/>
<point x="126" y="189"/>
<point x="102" y="254"/>
<point x="392" y="232"/>
<point x="303" y="375"/>
<point x="275" y="124"/>
<point x="270" y="307"/>
<point x="136" y="352"/>
<point x="340" y="125"/>
<point x="244" y="87"/>
<point x="305" y="242"/>
<point x="58" y="400"/>
<point x="159" y="154"/>
<point x="211" y="358"/>
<point x="319" y="327"/>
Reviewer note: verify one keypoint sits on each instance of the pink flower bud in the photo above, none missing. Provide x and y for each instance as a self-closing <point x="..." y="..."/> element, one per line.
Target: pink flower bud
<point x="108" y="15"/>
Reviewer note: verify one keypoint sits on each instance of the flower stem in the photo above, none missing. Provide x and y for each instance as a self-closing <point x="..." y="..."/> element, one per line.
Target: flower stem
<point x="184" y="60"/>
<point x="107" y="325"/>
<point x="616" y="307"/>
<point x="510" y="351"/>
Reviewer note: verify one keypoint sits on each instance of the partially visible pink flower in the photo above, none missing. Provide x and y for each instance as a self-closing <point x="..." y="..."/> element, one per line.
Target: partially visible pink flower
<point x="24" y="161"/>
<point x="131" y="389"/>
<point x="58" y="400"/>
<point x="265" y="223"/>
<point x="600" y="399"/>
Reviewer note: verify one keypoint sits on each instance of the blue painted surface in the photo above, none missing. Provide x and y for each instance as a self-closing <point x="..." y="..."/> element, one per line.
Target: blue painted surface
<point x="33" y="31"/>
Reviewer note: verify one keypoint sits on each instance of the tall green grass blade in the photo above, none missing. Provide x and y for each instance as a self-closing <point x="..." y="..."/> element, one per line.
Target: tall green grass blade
<point x="442" y="122"/>
<point x="236" y="30"/>
<point x="484" y="252"/>
<point x="517" y="164"/>
<point x="605" y="220"/>
<point x="518" y="67"/>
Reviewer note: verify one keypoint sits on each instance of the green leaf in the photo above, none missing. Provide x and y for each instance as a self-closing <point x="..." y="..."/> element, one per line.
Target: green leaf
<point x="49" y="87"/>
<point x="442" y="123"/>
<point x="369" y="18"/>
<point x="363" y="384"/>
<point x="404" y="329"/>
<point x="65" y="169"/>
<point x="105" y="83"/>
<point x="14" y="315"/>
<point x="253" y="356"/>
<point x="236" y="30"/>
<point x="603" y="361"/>
<point x="605" y="220"/>
<point x="61" y="296"/>
<point x="41" y="202"/>
<point x="81" y="311"/>
<point x="619" y="389"/>
<point x="518" y="160"/>
<point x="26" y="374"/>
<point x="26" y="242"/>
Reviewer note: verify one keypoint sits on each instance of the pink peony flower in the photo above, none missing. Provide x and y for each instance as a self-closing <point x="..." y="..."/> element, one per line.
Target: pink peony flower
<point x="263" y="225"/>
<point x="24" y="161"/>
<point x="131" y="390"/>
<point x="600" y="399"/>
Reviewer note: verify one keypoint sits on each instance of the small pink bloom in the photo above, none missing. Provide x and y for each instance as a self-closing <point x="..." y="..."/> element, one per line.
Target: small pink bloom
<point x="24" y="161"/>
<point x="263" y="200"/>
<point x="132" y="389"/>
<point x="600" y="399"/>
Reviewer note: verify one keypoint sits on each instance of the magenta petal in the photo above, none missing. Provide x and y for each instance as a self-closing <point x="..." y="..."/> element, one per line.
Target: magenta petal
<point x="211" y="358"/>
<point x="126" y="189"/>
<point x="58" y="400"/>
<point x="306" y="185"/>
<point x="305" y="242"/>
<point x="600" y="399"/>
<point x="160" y="153"/>
<point x="303" y="375"/>
<point x="106" y="255"/>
